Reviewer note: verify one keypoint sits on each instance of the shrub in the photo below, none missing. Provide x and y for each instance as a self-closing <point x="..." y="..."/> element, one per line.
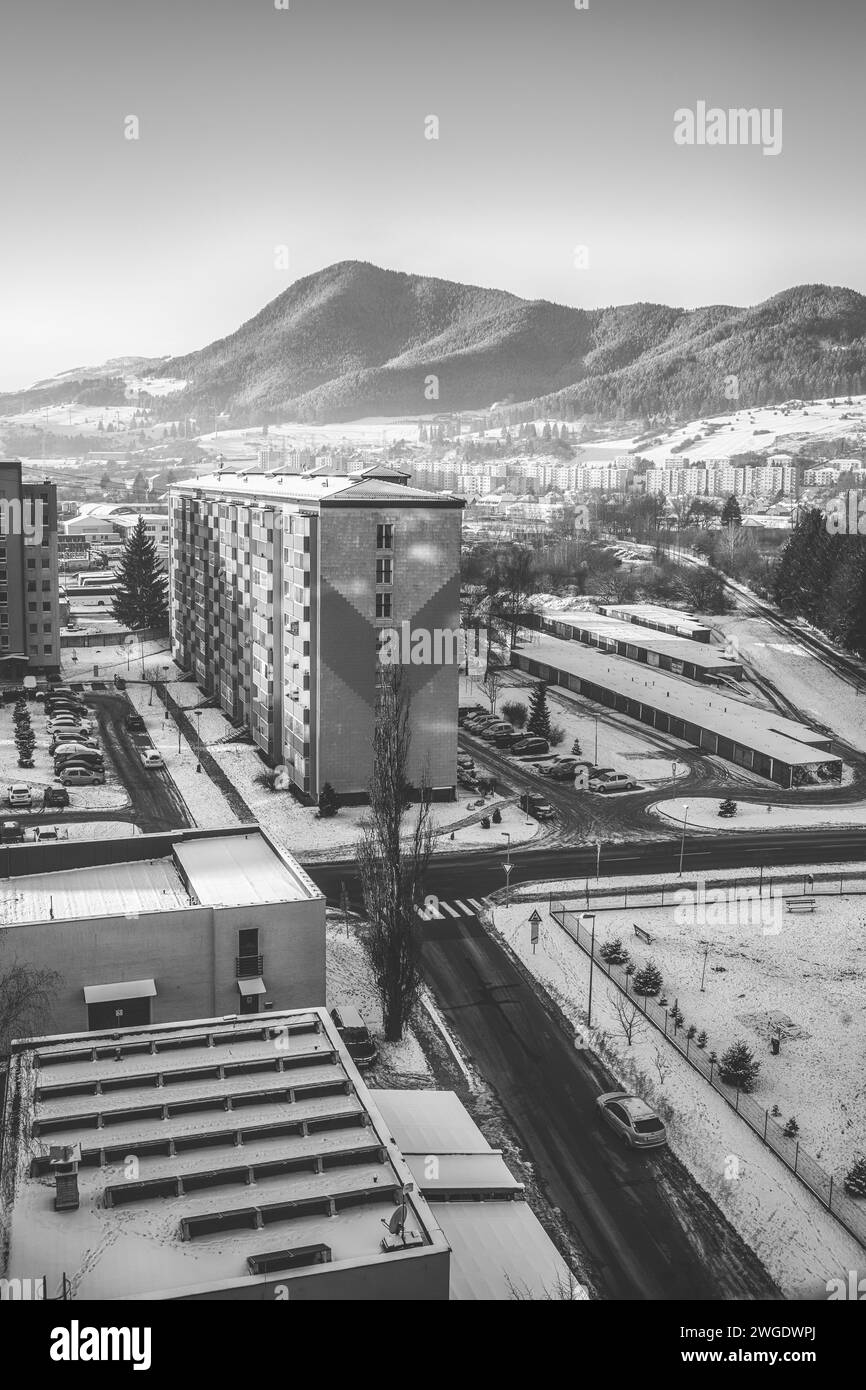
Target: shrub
<point x="497" y="816"/>
<point x="691" y="1032"/>
<point x="701" y="1039"/>
<point x="485" y="822"/>
<point x="516" y="713"/>
<point x="556" y="735"/>
<point x="329" y="802"/>
<point x="792" y="1129"/>
<point x="738" y="1067"/>
<point x="648" y="980"/>
<point x="728" y="807"/>
<point x="855" y="1178"/>
<point x="614" y="953"/>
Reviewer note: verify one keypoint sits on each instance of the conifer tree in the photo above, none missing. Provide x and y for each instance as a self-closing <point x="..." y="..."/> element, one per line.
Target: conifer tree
<point x="538" y="723"/>
<point x="141" y="599"/>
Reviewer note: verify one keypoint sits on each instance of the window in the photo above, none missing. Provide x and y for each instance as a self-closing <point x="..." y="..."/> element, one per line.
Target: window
<point x="47" y="648"/>
<point x="385" y="571"/>
<point x="383" y="605"/>
<point x="31" y="586"/>
<point x="46" y="607"/>
<point x="385" y="536"/>
<point x="31" y="564"/>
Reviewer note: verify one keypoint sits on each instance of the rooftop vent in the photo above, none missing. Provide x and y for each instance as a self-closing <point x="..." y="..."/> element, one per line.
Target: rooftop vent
<point x="64" y="1160"/>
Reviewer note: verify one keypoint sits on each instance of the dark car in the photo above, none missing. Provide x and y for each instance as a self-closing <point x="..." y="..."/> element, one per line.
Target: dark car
<point x="535" y="805"/>
<point x="71" y="706"/>
<point x="11" y="832"/>
<point x="355" y="1034"/>
<point x="135" y="722"/>
<point x="13" y="692"/>
<point x="55" y="796"/>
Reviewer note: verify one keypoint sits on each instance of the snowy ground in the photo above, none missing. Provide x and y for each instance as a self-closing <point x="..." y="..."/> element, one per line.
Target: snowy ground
<point x="703" y="815"/>
<point x="801" y="1245"/>
<point x="89" y="830"/>
<point x="349" y="981"/>
<point x="109" y="797"/>
<point x="117" y="660"/>
<point x="765" y="430"/>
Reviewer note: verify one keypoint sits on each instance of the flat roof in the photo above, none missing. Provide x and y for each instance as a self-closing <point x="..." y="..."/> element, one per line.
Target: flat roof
<point x="604" y="628"/>
<point x="241" y="870"/>
<point x="500" y="1250"/>
<point x="250" y="486"/>
<point x="302" y="1157"/>
<point x="104" y="890"/>
<point x="652" y="613"/>
<point x="748" y="725"/>
<point x="431" y="1122"/>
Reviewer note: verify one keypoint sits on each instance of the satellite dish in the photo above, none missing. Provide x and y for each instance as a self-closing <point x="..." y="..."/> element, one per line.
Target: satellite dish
<point x="397" y="1220"/>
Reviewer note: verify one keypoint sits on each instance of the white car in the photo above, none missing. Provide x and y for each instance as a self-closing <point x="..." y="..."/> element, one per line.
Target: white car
<point x="150" y="758"/>
<point x="632" y="1119"/>
<point x="19" y="794"/>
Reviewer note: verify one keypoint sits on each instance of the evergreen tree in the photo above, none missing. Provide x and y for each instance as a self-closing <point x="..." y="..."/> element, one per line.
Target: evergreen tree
<point x="855" y="1178"/>
<point x="538" y="723"/>
<point x="731" y="514"/>
<point x="738" y="1067"/>
<point x="648" y="980"/>
<point x="329" y="802"/>
<point x="142" y="597"/>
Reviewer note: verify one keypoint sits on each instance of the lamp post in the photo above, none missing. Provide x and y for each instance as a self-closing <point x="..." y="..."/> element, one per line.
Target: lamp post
<point x="598" y="859"/>
<point x="507" y="866"/>
<point x="591" y="916"/>
<point x="596" y="741"/>
<point x="197" y="713"/>
<point x="683" y="839"/>
<point x="706" y="946"/>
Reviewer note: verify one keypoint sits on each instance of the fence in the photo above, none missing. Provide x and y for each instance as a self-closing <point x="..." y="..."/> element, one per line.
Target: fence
<point x="833" y="1196"/>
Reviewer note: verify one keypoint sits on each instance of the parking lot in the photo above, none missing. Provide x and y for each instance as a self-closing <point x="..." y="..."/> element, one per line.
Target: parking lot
<point x="131" y="793"/>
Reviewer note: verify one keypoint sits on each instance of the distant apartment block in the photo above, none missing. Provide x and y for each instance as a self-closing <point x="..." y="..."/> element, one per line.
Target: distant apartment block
<point x="281" y="585"/>
<point x="29" y="575"/>
<point x="182" y="924"/>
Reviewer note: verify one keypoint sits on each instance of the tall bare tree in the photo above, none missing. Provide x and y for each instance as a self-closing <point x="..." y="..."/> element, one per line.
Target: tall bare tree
<point x="25" y="999"/>
<point x="393" y="859"/>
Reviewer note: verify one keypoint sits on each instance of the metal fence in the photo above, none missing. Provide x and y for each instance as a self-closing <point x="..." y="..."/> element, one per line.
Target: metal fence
<point x="848" y="1212"/>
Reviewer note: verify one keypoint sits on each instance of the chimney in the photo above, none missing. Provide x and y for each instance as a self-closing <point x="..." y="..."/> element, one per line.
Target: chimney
<point x="64" y="1160"/>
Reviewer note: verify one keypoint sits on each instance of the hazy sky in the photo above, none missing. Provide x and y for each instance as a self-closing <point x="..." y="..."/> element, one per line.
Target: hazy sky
<point x="305" y="128"/>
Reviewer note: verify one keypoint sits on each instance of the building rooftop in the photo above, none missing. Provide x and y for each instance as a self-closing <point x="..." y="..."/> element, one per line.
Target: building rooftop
<point x="604" y="629"/>
<point x="704" y="706"/>
<point x="653" y="614"/>
<point x="215" y="869"/>
<point x="213" y="1152"/>
<point x="255" y="485"/>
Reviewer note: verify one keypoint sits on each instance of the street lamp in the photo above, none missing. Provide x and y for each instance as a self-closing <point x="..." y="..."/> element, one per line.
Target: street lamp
<point x="598" y="859"/>
<point x="596" y="741"/>
<point x="507" y="866"/>
<point x="683" y="839"/>
<point x="197" y="713"/>
<point x="591" y="916"/>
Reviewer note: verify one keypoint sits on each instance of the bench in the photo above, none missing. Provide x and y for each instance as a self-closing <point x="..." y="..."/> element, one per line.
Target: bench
<point x="642" y="935"/>
<point x="800" y="904"/>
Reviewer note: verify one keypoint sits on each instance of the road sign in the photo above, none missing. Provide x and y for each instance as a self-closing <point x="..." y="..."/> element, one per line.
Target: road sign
<point x="535" y="918"/>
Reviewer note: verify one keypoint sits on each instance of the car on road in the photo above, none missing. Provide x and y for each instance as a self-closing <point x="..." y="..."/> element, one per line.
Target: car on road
<point x="535" y="805"/>
<point x="619" y="782"/>
<point x="19" y="794"/>
<point x="78" y="776"/>
<point x="135" y="722"/>
<point x="632" y="1120"/>
<point x="46" y="832"/>
<point x="151" y="758"/>
<point x="355" y="1034"/>
<point x="55" y="795"/>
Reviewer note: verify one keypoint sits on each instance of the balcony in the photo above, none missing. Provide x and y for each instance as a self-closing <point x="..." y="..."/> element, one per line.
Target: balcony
<point x="248" y="967"/>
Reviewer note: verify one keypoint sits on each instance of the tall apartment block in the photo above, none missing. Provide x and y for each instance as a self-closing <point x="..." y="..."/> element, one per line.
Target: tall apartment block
<point x="29" y="587"/>
<point x="280" y="586"/>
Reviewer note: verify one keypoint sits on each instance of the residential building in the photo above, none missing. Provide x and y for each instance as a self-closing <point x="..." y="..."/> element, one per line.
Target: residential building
<point x="29" y="575"/>
<point x="180" y="924"/>
<point x="280" y="588"/>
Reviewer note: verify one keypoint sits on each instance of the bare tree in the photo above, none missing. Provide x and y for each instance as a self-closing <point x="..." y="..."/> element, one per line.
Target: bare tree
<point x="627" y="1013"/>
<point x="25" y="1000"/>
<point x="662" y="1059"/>
<point x="392" y="870"/>
<point x="491" y="685"/>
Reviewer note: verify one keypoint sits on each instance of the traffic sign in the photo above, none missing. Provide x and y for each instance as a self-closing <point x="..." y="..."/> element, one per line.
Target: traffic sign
<point x="536" y="917"/>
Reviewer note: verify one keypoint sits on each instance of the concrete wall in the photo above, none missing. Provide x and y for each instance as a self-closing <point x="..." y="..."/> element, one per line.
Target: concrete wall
<point x="416" y="1276"/>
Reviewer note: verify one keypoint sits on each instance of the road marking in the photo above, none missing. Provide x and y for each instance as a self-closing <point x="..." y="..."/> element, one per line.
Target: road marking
<point x="463" y="908"/>
<point x="479" y="907"/>
<point x="448" y="909"/>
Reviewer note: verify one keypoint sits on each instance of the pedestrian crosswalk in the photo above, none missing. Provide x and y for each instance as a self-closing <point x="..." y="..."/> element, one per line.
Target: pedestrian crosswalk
<point x="437" y="909"/>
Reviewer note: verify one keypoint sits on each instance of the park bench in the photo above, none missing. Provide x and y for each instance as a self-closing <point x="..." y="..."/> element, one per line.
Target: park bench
<point x="800" y="904"/>
<point x="642" y="935"/>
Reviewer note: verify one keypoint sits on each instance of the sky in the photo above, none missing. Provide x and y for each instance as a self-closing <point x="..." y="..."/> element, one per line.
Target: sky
<point x="305" y="128"/>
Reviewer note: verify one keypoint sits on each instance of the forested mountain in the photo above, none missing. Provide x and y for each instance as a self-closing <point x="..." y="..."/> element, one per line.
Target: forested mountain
<point x="355" y="340"/>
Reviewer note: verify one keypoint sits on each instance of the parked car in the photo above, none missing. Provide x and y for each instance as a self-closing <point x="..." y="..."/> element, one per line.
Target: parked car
<point x="466" y="712"/>
<point x="46" y="832"/>
<point x="151" y="758"/>
<point x="531" y="747"/>
<point x="59" y="690"/>
<point x="11" y="832"/>
<point x="135" y="722"/>
<point x="77" y="776"/>
<point x="77" y="752"/>
<point x="465" y="763"/>
<point x="535" y="805"/>
<point x="55" y="796"/>
<point x="69" y="721"/>
<point x="53" y="710"/>
<point x="478" y="722"/>
<point x="508" y="741"/>
<point x="355" y="1034"/>
<point x="632" y="1119"/>
<point x="19" y="794"/>
<point x="617" y="783"/>
<point x="562" y="770"/>
<point x="494" y="730"/>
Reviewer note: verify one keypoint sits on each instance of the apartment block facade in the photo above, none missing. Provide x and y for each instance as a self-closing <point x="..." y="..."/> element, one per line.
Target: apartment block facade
<point x="29" y="584"/>
<point x="281" y="585"/>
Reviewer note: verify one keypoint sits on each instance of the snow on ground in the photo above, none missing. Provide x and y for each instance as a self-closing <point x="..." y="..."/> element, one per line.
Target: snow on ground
<point x="205" y="802"/>
<point x="623" y="748"/>
<point x="703" y="814"/>
<point x="115" y="659"/>
<point x="92" y="830"/>
<point x="611" y="888"/>
<point x="349" y="981"/>
<point x="800" y="1244"/>
<point x="819" y="694"/>
<point x="769" y="429"/>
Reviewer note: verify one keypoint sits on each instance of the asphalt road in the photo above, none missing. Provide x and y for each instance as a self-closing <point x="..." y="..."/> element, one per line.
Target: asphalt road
<point x="156" y="803"/>
<point x="648" y="1231"/>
